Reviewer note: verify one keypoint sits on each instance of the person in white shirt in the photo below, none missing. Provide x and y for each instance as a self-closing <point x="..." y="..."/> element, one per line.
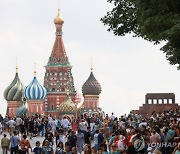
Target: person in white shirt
<point x="121" y="144"/>
<point x="143" y="123"/>
<point x="112" y="117"/>
<point x="50" y="118"/>
<point x="121" y="124"/>
<point x="92" y="125"/>
<point x="65" y="124"/>
<point x="53" y="124"/>
<point x="83" y="126"/>
<point x="18" y="121"/>
<point x="11" y="123"/>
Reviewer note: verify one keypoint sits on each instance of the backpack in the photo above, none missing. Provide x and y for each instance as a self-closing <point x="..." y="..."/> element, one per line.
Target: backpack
<point x="4" y="142"/>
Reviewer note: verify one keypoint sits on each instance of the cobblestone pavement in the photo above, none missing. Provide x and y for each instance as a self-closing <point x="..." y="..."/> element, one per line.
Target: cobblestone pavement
<point x="32" y="141"/>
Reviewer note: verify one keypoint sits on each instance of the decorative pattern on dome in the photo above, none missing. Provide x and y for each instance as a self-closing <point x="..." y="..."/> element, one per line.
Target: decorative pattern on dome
<point x="15" y="90"/>
<point x="34" y="91"/>
<point x="91" y="86"/>
<point x="67" y="107"/>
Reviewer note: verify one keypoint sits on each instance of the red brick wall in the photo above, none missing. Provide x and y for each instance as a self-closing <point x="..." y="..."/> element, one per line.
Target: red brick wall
<point x="148" y="109"/>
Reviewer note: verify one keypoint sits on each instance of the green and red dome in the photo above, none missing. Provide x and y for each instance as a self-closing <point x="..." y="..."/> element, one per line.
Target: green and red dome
<point x="91" y="86"/>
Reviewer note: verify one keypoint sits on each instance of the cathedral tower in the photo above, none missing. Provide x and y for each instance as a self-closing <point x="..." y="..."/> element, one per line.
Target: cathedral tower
<point x="58" y="76"/>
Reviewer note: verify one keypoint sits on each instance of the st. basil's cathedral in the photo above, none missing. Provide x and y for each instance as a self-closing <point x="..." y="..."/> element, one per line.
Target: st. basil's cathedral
<point x="57" y="97"/>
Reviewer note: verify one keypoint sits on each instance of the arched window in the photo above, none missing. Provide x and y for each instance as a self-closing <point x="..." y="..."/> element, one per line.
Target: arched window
<point x="53" y="89"/>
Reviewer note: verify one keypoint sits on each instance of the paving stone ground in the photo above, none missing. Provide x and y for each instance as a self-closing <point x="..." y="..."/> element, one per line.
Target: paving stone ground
<point x="32" y="141"/>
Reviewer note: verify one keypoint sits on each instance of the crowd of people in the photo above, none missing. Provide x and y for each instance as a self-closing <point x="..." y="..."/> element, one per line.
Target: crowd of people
<point x="128" y="134"/>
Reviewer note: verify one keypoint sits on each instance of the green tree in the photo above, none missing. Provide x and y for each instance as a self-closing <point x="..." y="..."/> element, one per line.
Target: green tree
<point x="153" y="20"/>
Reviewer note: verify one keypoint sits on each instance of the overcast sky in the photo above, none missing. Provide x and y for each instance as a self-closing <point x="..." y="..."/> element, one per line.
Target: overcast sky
<point x="127" y="68"/>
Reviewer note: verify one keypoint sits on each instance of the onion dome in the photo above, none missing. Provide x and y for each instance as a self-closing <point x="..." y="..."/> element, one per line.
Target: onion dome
<point x="35" y="91"/>
<point x="59" y="20"/>
<point x="15" y="90"/>
<point x="91" y="86"/>
<point x="68" y="106"/>
<point x="21" y="110"/>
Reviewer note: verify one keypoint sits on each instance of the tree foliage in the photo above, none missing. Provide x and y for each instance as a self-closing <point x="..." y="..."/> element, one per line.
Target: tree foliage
<point x="153" y="20"/>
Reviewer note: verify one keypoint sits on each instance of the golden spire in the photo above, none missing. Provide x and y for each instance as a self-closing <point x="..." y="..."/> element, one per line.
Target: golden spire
<point x="34" y="69"/>
<point x="16" y="65"/>
<point x="59" y="20"/>
<point x="91" y="66"/>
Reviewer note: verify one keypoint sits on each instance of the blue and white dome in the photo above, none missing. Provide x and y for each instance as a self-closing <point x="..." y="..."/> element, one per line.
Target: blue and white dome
<point x="34" y="91"/>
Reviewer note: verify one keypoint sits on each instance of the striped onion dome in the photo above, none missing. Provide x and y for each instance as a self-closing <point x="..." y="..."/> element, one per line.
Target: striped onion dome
<point x="67" y="107"/>
<point x="15" y="90"/>
<point x="34" y="91"/>
<point x="91" y="86"/>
